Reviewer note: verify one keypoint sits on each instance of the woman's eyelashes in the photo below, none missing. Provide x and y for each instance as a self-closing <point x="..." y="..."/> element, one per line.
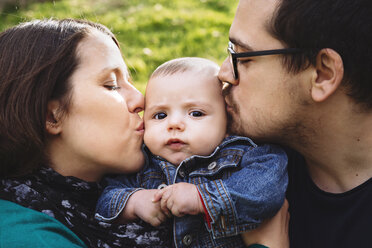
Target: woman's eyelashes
<point x="112" y="86"/>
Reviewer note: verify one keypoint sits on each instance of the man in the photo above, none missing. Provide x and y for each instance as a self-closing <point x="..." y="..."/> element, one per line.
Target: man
<point x="313" y="93"/>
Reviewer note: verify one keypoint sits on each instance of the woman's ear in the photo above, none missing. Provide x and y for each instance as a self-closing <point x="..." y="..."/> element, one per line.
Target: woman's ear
<point x="328" y="76"/>
<point x="53" y="120"/>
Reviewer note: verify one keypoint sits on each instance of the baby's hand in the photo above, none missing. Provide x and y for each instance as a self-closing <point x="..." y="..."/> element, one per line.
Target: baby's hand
<point x="180" y="199"/>
<point x="140" y="205"/>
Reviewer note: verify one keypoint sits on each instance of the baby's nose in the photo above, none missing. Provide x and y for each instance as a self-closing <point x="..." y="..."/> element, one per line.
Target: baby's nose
<point x="176" y="124"/>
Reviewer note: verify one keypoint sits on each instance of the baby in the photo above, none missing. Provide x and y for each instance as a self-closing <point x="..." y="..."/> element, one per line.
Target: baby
<point x="214" y="186"/>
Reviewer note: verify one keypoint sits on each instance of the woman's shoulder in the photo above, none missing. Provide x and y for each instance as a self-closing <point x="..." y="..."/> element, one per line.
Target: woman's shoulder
<point x="23" y="227"/>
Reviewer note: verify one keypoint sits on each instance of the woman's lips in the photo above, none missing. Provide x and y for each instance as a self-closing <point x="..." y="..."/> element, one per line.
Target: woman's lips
<point x="140" y="128"/>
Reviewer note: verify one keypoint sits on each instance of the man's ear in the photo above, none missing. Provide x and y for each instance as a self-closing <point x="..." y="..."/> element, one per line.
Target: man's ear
<point x="329" y="74"/>
<point x="53" y="121"/>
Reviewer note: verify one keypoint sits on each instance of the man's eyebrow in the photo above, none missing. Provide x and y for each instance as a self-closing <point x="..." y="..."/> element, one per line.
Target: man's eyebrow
<point x="241" y="44"/>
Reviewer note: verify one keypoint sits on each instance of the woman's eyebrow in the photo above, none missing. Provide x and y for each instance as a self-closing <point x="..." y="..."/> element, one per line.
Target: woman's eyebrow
<point x="107" y="71"/>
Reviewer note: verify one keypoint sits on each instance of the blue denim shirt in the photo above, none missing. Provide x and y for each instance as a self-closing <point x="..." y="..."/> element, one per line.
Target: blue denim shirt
<point x="241" y="184"/>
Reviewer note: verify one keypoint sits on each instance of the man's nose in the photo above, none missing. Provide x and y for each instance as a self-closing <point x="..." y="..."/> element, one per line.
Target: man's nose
<point x="226" y="73"/>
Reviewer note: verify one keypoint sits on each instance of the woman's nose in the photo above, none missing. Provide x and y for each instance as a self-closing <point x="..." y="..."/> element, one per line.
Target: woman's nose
<point x="135" y="100"/>
<point x="226" y="73"/>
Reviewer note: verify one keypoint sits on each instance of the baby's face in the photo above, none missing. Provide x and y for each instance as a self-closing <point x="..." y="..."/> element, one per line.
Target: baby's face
<point x="184" y="115"/>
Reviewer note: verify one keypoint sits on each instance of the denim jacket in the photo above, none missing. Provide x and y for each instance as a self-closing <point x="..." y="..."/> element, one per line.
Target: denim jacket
<point x="240" y="183"/>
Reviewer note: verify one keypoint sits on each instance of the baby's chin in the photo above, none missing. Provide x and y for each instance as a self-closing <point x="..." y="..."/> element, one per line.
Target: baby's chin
<point x="176" y="159"/>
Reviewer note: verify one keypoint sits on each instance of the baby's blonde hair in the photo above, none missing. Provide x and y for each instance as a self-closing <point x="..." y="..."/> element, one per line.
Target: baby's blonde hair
<point x="184" y="64"/>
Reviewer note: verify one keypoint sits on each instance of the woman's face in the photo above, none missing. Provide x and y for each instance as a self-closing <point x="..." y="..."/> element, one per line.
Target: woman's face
<point x="102" y="131"/>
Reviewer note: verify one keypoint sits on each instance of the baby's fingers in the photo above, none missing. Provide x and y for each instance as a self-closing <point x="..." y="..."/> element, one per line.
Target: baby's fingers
<point x="176" y="211"/>
<point x="166" y="211"/>
<point x="158" y="195"/>
<point x="164" y="201"/>
<point x="162" y="217"/>
<point x="158" y="219"/>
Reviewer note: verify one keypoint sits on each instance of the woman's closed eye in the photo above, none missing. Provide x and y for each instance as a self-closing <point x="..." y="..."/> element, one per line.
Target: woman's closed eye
<point x="112" y="86"/>
<point x="159" y="116"/>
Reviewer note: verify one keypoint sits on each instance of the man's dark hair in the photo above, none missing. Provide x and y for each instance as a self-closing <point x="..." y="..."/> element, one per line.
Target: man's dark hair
<point x="342" y="25"/>
<point x="37" y="59"/>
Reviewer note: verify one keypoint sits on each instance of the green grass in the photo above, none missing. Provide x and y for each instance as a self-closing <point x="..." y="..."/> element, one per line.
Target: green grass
<point x="150" y="32"/>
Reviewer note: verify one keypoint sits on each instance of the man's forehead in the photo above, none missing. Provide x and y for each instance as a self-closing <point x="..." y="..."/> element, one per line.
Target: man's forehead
<point x="250" y="28"/>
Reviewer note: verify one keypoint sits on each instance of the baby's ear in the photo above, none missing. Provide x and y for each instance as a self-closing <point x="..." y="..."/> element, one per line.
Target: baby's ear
<point x="53" y="122"/>
<point x="328" y="76"/>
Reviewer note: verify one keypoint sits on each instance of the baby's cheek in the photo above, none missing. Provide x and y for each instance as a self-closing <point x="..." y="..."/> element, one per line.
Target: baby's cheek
<point x="148" y="138"/>
<point x="209" y="142"/>
<point x="152" y="139"/>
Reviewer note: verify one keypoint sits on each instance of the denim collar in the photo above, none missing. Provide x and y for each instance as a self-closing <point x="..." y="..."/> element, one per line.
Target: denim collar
<point x="230" y="140"/>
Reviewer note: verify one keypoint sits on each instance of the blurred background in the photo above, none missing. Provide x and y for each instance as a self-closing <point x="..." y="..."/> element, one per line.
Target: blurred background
<point x="150" y="31"/>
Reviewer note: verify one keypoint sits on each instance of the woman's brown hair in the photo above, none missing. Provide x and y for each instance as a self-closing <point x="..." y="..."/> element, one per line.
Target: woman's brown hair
<point x="37" y="59"/>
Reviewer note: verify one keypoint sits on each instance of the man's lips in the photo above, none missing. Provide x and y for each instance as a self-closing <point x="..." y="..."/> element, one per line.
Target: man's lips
<point x="228" y="104"/>
<point x="229" y="108"/>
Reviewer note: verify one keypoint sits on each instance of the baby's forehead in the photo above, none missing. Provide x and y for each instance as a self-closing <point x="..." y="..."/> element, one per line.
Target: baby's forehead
<point x="183" y="81"/>
<point x="185" y="85"/>
<point x="205" y="74"/>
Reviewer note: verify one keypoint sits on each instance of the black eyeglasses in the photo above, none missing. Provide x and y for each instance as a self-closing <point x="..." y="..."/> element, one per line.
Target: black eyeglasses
<point x="234" y="56"/>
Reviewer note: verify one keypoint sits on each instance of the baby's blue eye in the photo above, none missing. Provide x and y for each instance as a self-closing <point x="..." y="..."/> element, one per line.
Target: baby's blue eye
<point x="196" y="113"/>
<point x="160" y="116"/>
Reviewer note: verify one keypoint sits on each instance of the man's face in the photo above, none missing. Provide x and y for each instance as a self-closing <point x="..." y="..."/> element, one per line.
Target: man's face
<point x="265" y="100"/>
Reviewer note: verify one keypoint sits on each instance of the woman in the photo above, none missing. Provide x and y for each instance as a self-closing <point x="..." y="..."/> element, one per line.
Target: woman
<point x="69" y="116"/>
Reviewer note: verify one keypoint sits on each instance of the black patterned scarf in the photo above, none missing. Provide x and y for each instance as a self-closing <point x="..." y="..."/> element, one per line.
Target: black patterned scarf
<point x="72" y="202"/>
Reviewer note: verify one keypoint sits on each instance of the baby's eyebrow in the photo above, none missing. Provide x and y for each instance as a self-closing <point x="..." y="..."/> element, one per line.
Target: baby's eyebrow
<point x="198" y="104"/>
<point x="155" y="106"/>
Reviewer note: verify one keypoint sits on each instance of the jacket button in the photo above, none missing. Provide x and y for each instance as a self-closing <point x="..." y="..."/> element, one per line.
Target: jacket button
<point x="182" y="173"/>
<point x="212" y="165"/>
<point x="187" y="239"/>
<point x="162" y="186"/>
